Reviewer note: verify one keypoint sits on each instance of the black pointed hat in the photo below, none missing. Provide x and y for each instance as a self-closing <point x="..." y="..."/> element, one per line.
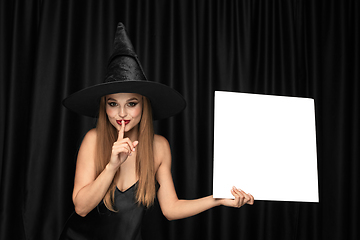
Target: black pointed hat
<point x="125" y="74"/>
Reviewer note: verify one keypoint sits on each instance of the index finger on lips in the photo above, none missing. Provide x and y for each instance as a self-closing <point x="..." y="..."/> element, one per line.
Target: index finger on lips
<point x="121" y="131"/>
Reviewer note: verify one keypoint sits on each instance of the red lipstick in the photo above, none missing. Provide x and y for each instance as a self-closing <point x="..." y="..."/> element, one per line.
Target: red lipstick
<point x="125" y="121"/>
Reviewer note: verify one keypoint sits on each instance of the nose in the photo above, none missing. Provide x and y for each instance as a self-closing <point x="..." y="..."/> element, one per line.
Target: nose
<point x="122" y="112"/>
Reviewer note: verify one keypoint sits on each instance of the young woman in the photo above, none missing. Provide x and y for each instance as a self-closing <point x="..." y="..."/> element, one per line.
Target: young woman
<point x="122" y="165"/>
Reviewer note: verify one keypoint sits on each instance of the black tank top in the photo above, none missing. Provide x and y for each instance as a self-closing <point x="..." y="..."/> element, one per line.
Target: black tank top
<point x="101" y="223"/>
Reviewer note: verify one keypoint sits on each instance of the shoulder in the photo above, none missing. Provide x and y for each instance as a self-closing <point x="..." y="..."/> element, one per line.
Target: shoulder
<point x="91" y="134"/>
<point x="90" y="137"/>
<point x="160" y="142"/>
<point x="161" y="149"/>
<point x="86" y="154"/>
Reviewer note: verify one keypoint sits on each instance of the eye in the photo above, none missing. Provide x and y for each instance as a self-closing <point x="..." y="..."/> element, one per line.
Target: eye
<point x="112" y="104"/>
<point x="132" y="104"/>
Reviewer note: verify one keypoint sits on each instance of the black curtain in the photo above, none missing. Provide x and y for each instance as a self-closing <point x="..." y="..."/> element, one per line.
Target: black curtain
<point x="52" y="48"/>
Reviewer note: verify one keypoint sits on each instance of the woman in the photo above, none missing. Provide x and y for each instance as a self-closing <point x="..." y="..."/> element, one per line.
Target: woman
<point x="122" y="165"/>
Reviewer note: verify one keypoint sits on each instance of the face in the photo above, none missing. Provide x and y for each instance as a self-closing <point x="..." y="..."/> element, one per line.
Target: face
<point x="124" y="106"/>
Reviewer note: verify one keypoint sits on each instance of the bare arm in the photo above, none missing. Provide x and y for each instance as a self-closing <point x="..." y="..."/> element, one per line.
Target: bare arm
<point x="89" y="190"/>
<point x="171" y="206"/>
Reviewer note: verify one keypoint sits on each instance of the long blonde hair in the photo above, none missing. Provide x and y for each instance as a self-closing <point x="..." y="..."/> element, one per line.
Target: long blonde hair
<point x="145" y="169"/>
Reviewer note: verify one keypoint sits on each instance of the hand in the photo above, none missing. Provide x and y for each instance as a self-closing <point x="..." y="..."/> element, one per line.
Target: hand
<point x="241" y="198"/>
<point x="122" y="148"/>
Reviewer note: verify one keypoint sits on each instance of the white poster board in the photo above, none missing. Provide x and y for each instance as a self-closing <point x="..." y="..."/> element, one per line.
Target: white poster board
<point x="266" y="146"/>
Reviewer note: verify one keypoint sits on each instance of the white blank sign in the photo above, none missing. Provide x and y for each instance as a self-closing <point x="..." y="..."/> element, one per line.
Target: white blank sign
<point x="266" y="146"/>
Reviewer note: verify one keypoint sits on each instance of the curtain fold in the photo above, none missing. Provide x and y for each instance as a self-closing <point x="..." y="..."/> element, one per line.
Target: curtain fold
<point x="51" y="48"/>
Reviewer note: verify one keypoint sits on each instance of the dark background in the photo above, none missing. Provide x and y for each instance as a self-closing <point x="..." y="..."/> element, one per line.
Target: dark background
<point x="52" y="48"/>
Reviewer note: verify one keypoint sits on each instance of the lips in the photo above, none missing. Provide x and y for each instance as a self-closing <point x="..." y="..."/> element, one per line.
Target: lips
<point x="125" y="121"/>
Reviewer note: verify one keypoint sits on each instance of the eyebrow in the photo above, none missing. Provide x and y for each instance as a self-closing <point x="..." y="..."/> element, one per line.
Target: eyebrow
<point x="129" y="100"/>
<point x="132" y="99"/>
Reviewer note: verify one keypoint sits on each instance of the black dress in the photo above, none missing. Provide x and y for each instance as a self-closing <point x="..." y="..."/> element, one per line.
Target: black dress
<point x="101" y="223"/>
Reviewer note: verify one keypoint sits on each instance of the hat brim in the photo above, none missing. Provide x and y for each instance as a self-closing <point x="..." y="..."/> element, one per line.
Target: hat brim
<point x="165" y="101"/>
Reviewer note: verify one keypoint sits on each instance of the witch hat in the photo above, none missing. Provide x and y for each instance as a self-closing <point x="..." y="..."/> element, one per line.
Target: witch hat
<point x="125" y="75"/>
